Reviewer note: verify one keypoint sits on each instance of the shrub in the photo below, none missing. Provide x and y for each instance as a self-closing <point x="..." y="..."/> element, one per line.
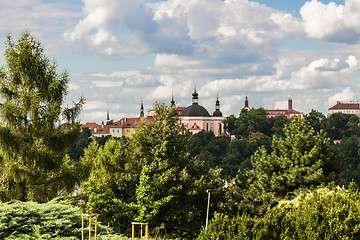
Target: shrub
<point x="56" y="219"/>
<point x="321" y="214"/>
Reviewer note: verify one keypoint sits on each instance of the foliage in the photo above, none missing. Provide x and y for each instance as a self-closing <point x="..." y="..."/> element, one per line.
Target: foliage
<point x="301" y="160"/>
<point x="253" y="120"/>
<point x="322" y="214"/>
<point x="76" y="151"/>
<point x="56" y="219"/>
<point x="148" y="176"/>
<point x="33" y="144"/>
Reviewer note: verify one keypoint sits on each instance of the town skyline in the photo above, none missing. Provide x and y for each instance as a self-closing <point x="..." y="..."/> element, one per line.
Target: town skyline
<point x="120" y="52"/>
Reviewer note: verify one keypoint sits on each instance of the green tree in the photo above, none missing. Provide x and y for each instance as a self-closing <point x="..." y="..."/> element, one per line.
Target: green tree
<point x="353" y="126"/>
<point x="253" y="120"/>
<point x="301" y="160"/>
<point x="33" y="144"/>
<point x="338" y="126"/>
<point x="152" y="168"/>
<point x="279" y="123"/>
<point x="76" y="151"/>
<point x="327" y="213"/>
<point x="317" y="120"/>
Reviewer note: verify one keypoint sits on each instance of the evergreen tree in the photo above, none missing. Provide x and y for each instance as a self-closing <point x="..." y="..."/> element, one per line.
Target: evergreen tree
<point x="301" y="160"/>
<point x="33" y="144"/>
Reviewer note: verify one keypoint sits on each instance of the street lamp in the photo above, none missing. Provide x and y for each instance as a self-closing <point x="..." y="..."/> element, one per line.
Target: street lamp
<point x="208" y="205"/>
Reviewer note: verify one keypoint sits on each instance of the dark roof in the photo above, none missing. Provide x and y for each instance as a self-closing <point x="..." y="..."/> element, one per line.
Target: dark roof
<point x="217" y="113"/>
<point x="195" y="110"/>
<point x="345" y="106"/>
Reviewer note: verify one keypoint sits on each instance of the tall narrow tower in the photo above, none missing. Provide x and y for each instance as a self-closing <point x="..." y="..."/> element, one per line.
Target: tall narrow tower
<point x="142" y="109"/>
<point x="217" y="112"/>
<point x="290" y="104"/>
<point x="172" y="100"/>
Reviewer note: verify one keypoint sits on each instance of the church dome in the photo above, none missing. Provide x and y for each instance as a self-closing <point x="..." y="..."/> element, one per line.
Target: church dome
<point x="195" y="110"/>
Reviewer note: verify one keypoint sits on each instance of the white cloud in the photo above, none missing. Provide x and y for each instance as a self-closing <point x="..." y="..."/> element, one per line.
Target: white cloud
<point x="332" y="22"/>
<point x="320" y="73"/>
<point x="345" y="95"/>
<point x="95" y="104"/>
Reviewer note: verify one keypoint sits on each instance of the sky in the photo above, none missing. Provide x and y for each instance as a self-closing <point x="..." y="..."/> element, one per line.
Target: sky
<point x="120" y="52"/>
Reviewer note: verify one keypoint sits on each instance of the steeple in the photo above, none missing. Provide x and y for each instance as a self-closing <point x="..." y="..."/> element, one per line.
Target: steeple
<point x="195" y="99"/>
<point x="108" y="115"/>
<point x="142" y="109"/>
<point x="246" y="104"/>
<point x="172" y="100"/>
<point x="217" y="112"/>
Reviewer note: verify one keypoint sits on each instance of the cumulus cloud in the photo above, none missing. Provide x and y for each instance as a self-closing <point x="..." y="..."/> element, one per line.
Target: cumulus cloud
<point x="178" y="26"/>
<point x="332" y="22"/>
<point x="344" y="95"/>
<point x="320" y="73"/>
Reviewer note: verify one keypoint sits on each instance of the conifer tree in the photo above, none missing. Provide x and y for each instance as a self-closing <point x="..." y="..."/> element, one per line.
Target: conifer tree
<point x="301" y="160"/>
<point x="33" y="143"/>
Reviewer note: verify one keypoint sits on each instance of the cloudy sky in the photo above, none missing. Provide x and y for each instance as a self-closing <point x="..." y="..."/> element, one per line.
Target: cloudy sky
<point x="118" y="52"/>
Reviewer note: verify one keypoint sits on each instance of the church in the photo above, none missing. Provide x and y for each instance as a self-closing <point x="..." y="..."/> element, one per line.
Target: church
<point x="197" y="118"/>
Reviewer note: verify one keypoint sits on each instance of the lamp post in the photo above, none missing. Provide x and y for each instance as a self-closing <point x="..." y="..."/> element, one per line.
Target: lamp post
<point x="208" y="206"/>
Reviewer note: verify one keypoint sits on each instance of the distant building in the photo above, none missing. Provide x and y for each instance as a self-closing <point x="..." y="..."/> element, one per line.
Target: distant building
<point x="345" y="108"/>
<point x="123" y="127"/>
<point x="289" y="113"/>
<point x="197" y="118"/>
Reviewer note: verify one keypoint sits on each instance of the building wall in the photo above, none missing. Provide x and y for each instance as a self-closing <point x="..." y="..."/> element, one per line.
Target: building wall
<point x="213" y="124"/>
<point x="116" y="131"/>
<point x="344" y="111"/>
<point x="127" y="132"/>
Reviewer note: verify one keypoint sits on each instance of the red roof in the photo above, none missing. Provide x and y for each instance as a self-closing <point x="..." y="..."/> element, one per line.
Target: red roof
<point x="122" y="123"/>
<point x="134" y="122"/>
<point x="179" y="110"/>
<point x="345" y="106"/>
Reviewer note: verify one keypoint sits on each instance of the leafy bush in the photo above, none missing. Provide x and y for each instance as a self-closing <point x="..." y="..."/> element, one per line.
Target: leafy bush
<point x="321" y="214"/>
<point x="56" y="219"/>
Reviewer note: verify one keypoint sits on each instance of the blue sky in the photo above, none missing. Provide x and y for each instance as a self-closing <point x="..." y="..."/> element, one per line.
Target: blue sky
<point x="118" y="52"/>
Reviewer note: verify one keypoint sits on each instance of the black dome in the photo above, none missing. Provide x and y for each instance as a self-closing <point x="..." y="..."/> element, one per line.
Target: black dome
<point x="217" y="113"/>
<point x="195" y="110"/>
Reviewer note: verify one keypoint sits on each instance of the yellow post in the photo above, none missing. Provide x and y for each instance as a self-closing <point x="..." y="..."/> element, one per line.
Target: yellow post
<point x="147" y="231"/>
<point x="90" y="227"/>
<point x="82" y="234"/>
<point x="96" y="226"/>
<point x="133" y="231"/>
<point x="141" y="225"/>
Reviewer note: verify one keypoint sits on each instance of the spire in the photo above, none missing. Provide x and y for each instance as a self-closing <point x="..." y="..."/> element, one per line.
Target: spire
<point x="108" y="115"/>
<point x="217" y="112"/>
<point x="246" y="104"/>
<point x="195" y="99"/>
<point x="172" y="100"/>
<point x="142" y="109"/>
<point x="217" y="103"/>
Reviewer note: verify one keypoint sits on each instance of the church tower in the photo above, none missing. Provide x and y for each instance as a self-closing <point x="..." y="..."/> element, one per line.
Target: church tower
<point x="217" y="112"/>
<point x="142" y="109"/>
<point x="246" y="104"/>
